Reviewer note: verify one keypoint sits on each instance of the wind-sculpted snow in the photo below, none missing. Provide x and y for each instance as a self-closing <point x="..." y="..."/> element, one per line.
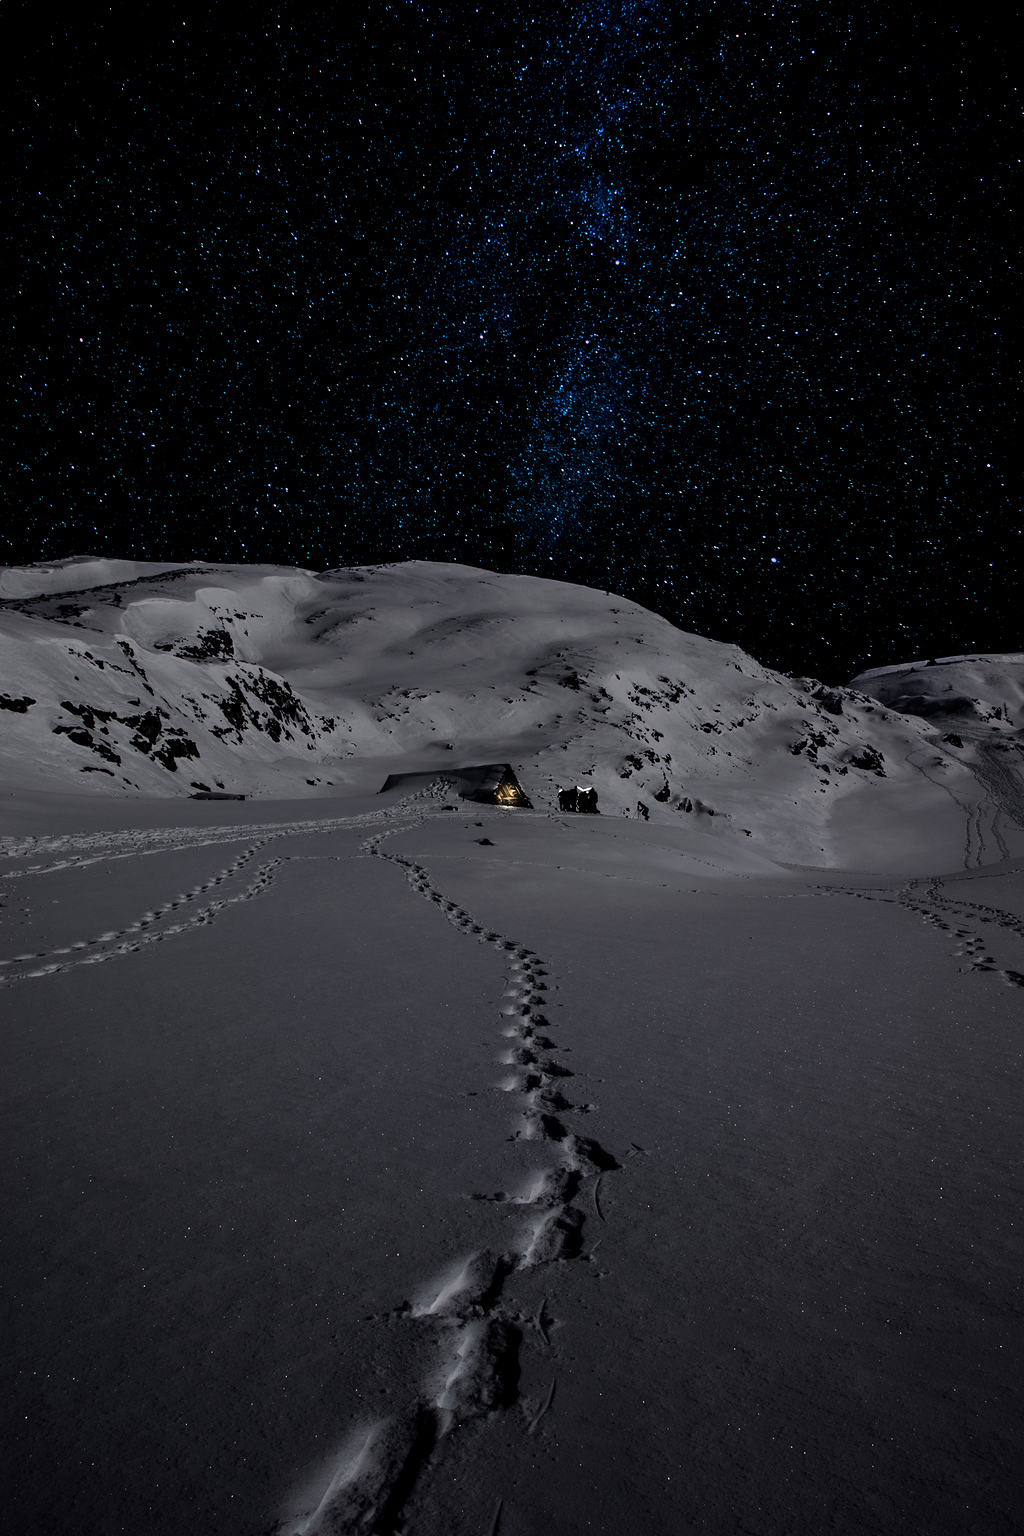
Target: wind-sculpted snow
<point x="274" y="682"/>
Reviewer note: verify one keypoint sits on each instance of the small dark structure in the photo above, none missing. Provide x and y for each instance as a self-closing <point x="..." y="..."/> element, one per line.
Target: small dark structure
<point x="215" y="794"/>
<point x="580" y="799"/>
<point x="486" y="783"/>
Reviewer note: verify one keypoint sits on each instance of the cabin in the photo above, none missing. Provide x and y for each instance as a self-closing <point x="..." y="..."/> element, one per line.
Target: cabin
<point x="484" y="783"/>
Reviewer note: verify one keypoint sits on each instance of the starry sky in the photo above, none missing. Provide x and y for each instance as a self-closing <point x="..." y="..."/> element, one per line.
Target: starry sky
<point x="706" y="304"/>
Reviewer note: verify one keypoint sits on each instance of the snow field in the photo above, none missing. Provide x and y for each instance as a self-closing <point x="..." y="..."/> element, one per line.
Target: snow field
<point x="280" y="683"/>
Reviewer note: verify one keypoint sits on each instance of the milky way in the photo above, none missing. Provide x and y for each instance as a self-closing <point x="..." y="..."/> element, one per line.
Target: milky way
<point x="704" y="304"/>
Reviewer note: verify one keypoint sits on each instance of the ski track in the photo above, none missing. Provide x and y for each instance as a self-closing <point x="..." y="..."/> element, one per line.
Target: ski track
<point x="925" y="899"/>
<point x="1002" y="799"/>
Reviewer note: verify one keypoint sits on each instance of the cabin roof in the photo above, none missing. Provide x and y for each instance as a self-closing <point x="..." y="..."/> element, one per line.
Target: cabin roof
<point x="487" y="783"/>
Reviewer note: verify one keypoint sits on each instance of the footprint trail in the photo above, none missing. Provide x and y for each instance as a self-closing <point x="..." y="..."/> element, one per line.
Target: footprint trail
<point x="129" y="940"/>
<point x="83" y="850"/>
<point x="477" y="1331"/>
<point x="468" y="1313"/>
<point x="952" y="916"/>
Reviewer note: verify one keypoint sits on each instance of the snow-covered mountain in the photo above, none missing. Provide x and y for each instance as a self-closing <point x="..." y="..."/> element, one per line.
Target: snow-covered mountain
<point x="137" y="679"/>
<point x="974" y="691"/>
<point x="372" y="1167"/>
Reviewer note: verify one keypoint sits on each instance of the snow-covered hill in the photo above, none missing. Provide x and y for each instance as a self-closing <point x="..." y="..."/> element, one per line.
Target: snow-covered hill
<point x="274" y="682"/>
<point x="970" y="690"/>
<point x="373" y="1167"/>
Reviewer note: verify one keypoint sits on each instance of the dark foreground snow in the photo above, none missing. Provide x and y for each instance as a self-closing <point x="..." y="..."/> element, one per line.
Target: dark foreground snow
<point x="363" y="1175"/>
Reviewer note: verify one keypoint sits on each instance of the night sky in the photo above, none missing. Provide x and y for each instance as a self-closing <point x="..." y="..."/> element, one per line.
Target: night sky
<point x="706" y="304"/>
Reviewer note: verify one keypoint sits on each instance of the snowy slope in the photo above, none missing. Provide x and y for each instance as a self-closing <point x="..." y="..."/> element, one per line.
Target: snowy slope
<point x="977" y="690"/>
<point x="277" y="682"/>
<point x="76" y="574"/>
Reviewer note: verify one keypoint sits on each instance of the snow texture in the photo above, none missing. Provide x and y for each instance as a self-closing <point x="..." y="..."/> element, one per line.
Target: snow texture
<point x="406" y="1164"/>
<point x="276" y="682"/>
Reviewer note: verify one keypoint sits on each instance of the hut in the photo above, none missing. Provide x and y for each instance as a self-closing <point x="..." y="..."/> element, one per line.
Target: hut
<point x="494" y="784"/>
<point x="486" y="783"/>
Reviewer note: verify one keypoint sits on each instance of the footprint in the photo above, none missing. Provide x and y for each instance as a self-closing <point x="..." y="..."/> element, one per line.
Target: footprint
<point x="555" y="1186"/>
<point x="376" y="1472"/>
<point x="484" y="1373"/>
<point x="480" y="1374"/>
<point x="518" y="1057"/>
<point x="475" y="1283"/>
<point x="554" y="1068"/>
<point x="145" y="921"/>
<point x="135" y="939"/>
<point x="558" y="1235"/>
<point x="591" y="1156"/>
<point x="539" y="1127"/>
<point x="554" y="1102"/>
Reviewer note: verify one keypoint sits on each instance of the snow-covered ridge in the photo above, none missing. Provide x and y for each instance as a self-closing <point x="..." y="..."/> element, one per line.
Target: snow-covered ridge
<point x="978" y="690"/>
<point x="77" y="574"/>
<point x="998" y="658"/>
<point x="271" y="681"/>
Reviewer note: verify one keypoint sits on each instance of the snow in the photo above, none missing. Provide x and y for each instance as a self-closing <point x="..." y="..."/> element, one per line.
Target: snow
<point x="982" y="689"/>
<point x="1002" y="658"/>
<point x="391" y="1162"/>
<point x="278" y="683"/>
<point x="76" y="574"/>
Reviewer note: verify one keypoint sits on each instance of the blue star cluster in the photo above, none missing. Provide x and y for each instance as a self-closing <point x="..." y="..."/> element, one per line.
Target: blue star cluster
<point x="704" y="303"/>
